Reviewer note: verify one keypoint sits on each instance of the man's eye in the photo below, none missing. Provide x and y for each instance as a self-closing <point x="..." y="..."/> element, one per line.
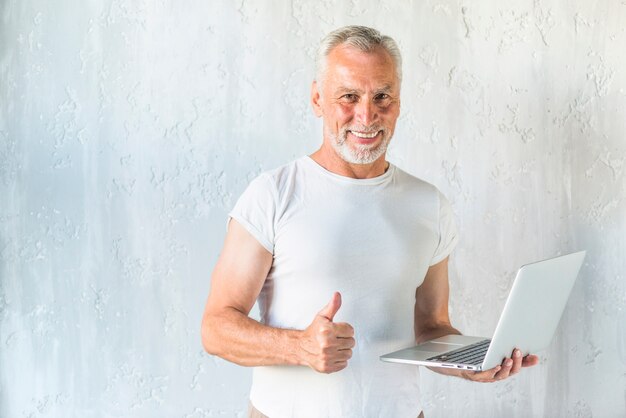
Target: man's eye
<point x="381" y="97"/>
<point x="349" y="97"/>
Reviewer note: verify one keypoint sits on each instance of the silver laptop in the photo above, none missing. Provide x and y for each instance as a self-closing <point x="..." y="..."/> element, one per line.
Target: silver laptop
<point x="528" y="321"/>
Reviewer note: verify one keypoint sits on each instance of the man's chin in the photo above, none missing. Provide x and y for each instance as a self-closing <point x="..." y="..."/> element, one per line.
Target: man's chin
<point x="365" y="155"/>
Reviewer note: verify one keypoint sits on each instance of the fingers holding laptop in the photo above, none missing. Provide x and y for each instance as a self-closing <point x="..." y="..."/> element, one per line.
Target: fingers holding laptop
<point x="508" y="368"/>
<point x="519" y="361"/>
<point x="513" y="365"/>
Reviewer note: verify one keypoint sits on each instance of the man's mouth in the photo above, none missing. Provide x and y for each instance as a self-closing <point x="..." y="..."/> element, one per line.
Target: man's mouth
<point x="365" y="135"/>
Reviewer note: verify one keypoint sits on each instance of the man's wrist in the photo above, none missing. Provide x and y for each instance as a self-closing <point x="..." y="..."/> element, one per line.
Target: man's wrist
<point x="295" y="354"/>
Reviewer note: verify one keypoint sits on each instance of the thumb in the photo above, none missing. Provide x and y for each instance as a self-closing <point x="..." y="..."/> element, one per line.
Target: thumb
<point x="333" y="306"/>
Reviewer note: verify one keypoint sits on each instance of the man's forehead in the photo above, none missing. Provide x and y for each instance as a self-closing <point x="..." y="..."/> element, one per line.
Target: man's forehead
<point x="351" y="69"/>
<point x="349" y="52"/>
<point x="350" y="56"/>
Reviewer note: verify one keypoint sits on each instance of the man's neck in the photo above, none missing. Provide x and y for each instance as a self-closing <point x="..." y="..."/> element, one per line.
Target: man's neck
<point x="335" y="164"/>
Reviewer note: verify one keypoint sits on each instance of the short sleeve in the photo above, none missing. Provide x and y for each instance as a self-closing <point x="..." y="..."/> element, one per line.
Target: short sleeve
<point x="448" y="236"/>
<point x="255" y="210"/>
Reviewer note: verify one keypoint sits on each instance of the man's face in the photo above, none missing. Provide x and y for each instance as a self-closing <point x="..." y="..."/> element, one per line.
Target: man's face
<point x="359" y="102"/>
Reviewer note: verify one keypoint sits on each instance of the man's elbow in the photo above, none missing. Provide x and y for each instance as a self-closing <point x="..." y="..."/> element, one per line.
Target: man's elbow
<point x="207" y="333"/>
<point x="434" y="330"/>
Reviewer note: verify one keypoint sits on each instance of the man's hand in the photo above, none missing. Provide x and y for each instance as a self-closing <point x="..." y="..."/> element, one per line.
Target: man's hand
<point x="328" y="345"/>
<point x="508" y="368"/>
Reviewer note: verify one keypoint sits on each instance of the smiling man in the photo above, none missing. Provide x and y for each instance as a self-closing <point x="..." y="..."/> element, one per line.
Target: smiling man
<point x="346" y="254"/>
<point x="360" y="107"/>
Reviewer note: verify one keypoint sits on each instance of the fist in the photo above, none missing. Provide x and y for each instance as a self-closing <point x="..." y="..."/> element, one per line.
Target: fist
<point x="327" y="345"/>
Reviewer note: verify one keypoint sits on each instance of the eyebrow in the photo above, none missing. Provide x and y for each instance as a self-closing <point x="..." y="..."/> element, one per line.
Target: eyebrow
<point x="343" y="90"/>
<point x="385" y="89"/>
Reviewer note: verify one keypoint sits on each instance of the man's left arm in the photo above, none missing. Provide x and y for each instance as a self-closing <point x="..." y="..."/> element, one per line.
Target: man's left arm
<point x="432" y="321"/>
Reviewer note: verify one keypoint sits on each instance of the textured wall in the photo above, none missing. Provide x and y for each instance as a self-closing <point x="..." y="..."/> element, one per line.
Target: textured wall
<point x="129" y="128"/>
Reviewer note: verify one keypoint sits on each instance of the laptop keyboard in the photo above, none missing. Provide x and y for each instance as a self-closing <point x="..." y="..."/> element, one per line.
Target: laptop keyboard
<point x="473" y="354"/>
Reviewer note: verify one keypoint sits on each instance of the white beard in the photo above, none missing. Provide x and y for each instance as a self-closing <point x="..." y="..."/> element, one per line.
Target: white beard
<point x="357" y="153"/>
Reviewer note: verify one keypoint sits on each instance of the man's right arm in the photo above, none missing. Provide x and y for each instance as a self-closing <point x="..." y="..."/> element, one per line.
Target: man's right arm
<point x="228" y="332"/>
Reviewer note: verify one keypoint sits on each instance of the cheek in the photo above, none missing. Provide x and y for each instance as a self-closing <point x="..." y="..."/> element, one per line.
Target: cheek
<point x="344" y="114"/>
<point x="337" y="118"/>
<point x="390" y="116"/>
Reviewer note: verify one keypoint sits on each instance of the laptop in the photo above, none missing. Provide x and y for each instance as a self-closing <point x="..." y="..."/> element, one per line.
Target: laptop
<point x="528" y="321"/>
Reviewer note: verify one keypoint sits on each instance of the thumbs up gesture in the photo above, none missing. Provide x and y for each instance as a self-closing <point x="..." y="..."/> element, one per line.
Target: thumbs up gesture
<point x="328" y="345"/>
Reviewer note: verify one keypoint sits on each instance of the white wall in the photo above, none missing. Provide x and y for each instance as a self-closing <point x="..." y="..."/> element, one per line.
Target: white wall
<point x="129" y="128"/>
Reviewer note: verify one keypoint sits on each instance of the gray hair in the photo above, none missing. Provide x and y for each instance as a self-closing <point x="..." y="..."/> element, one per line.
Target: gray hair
<point x="361" y="37"/>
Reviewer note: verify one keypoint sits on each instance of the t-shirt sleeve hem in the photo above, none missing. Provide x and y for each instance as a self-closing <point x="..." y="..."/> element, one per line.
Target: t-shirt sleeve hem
<point x="253" y="231"/>
<point x="446" y="252"/>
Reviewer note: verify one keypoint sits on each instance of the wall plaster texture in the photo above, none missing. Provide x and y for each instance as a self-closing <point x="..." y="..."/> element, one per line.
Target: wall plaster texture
<point x="129" y="128"/>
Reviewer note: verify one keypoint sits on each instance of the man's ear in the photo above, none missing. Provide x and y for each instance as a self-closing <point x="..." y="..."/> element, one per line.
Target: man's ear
<point x="316" y="99"/>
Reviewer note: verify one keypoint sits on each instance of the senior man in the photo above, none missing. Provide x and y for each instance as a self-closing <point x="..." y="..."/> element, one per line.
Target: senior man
<point x="346" y="254"/>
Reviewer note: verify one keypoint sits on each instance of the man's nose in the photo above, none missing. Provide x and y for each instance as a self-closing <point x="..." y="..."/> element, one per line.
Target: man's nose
<point x="365" y="112"/>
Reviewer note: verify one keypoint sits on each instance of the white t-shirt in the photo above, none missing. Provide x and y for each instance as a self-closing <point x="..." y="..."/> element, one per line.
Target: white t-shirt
<point x="370" y="239"/>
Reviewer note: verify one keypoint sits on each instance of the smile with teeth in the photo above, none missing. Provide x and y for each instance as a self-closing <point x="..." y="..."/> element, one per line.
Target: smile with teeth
<point x="367" y="135"/>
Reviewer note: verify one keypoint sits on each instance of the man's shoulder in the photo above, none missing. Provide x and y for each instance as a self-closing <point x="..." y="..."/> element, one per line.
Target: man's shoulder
<point x="415" y="183"/>
<point x="279" y="179"/>
<point x="281" y="173"/>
